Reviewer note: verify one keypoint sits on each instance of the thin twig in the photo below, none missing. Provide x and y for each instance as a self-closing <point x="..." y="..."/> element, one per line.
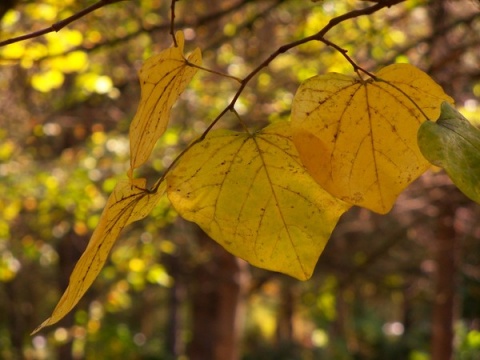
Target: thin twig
<point x="172" y="22"/>
<point x="316" y="37"/>
<point x="212" y="71"/>
<point x="342" y="51"/>
<point x="61" y="24"/>
<point x="354" y="14"/>
<point x="240" y="120"/>
<point x="160" y="27"/>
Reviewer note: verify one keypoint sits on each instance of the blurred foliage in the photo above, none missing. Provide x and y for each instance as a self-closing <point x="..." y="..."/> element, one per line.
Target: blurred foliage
<point x="68" y="100"/>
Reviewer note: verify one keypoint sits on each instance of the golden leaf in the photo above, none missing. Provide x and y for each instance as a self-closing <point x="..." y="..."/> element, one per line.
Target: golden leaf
<point x="358" y="139"/>
<point x="128" y="203"/>
<point x="253" y="196"/>
<point x="163" y="78"/>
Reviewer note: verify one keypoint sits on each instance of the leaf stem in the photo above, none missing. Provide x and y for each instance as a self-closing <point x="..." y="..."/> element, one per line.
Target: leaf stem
<point x="240" y="120"/>
<point x="357" y="68"/>
<point x="213" y="71"/>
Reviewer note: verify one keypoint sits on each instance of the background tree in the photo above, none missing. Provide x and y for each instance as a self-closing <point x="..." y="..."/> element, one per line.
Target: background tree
<point x="384" y="284"/>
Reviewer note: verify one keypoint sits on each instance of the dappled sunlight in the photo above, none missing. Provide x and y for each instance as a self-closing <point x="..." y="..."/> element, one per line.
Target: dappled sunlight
<point x="103" y="114"/>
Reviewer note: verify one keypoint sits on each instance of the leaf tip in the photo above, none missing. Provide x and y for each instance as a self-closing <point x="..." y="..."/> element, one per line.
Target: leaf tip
<point x="304" y="276"/>
<point x="41" y="326"/>
<point x="448" y="111"/>
<point x="180" y="37"/>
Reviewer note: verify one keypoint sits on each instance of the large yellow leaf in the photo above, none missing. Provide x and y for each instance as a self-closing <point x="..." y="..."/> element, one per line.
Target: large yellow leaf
<point x="128" y="203"/>
<point x="358" y="139"/>
<point x="253" y="196"/>
<point x="163" y="78"/>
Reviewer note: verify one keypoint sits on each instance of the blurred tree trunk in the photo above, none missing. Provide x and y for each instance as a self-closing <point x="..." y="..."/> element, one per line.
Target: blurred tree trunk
<point x="443" y="63"/>
<point x="284" y="332"/>
<point x="443" y="305"/>
<point x="69" y="249"/>
<point x="176" y="296"/>
<point x="16" y="318"/>
<point x="217" y="294"/>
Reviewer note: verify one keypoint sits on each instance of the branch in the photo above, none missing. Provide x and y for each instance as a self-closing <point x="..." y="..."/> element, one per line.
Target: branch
<point x="342" y="51"/>
<point x="316" y="37"/>
<point x="61" y="24"/>
<point x="159" y="27"/>
<point x="172" y="22"/>
<point x="282" y="49"/>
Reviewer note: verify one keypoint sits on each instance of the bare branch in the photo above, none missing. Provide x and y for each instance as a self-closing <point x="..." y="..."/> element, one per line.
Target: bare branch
<point x="342" y="51"/>
<point x="316" y="37"/>
<point x="61" y="24"/>
<point x="159" y="27"/>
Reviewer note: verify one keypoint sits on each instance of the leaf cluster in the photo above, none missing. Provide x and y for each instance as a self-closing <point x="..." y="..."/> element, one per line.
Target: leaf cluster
<point x="273" y="196"/>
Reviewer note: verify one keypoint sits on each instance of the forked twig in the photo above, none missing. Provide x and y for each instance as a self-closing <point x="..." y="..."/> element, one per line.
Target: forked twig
<point x="319" y="36"/>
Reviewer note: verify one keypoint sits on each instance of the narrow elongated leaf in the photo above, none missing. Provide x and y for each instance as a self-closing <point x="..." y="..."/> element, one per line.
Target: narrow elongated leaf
<point x="453" y="144"/>
<point x="253" y="196"/>
<point x="358" y="139"/>
<point x="163" y="78"/>
<point x="128" y="203"/>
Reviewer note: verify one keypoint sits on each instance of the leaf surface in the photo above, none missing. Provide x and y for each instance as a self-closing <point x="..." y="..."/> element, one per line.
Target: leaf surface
<point x="163" y="78"/>
<point x="253" y="196"/>
<point x="453" y="144"/>
<point x="127" y="203"/>
<point x="358" y="139"/>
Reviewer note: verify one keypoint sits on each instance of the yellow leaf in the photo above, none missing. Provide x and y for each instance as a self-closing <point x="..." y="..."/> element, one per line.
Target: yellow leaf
<point x="47" y="81"/>
<point x="358" y="139"/>
<point x="163" y="78"/>
<point x="128" y="203"/>
<point x="74" y="61"/>
<point x="253" y="196"/>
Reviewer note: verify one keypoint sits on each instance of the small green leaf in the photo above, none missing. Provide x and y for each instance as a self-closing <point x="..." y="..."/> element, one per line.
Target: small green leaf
<point x="453" y="144"/>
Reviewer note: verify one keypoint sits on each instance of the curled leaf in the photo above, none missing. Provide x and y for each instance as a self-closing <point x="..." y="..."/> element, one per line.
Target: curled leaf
<point x="163" y="78"/>
<point x="358" y="139"/>
<point x="253" y="196"/>
<point x="453" y="144"/>
<point x="128" y="202"/>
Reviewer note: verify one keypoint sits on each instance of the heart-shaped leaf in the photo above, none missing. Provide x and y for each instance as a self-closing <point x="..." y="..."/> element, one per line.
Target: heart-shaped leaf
<point x="358" y="138"/>
<point x="253" y="196"/>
